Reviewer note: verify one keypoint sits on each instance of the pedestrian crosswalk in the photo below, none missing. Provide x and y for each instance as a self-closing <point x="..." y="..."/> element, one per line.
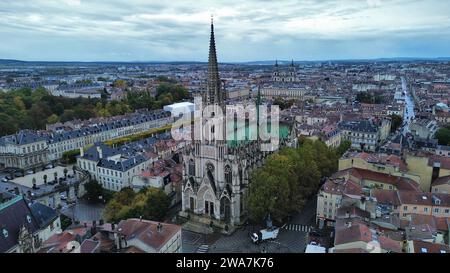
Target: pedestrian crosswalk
<point x="295" y="227"/>
<point x="203" y="249"/>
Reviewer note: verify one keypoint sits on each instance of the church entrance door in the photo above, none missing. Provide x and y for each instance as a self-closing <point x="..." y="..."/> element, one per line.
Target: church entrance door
<point x="225" y="209"/>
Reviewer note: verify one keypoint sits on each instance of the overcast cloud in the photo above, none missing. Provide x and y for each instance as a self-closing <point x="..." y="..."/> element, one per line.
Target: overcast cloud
<point x="143" y="30"/>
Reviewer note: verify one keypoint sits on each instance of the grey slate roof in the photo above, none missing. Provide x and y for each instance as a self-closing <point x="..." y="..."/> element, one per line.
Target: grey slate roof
<point x="13" y="216"/>
<point x="23" y="137"/>
<point x="365" y="126"/>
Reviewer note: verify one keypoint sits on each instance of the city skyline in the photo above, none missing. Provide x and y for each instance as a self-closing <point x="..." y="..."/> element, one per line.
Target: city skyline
<point x="261" y="30"/>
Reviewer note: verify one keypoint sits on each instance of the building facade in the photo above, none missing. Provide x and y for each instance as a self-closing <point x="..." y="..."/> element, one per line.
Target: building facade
<point x="216" y="172"/>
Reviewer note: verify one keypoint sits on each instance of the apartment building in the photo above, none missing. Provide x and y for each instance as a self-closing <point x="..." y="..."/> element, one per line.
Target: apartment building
<point x="113" y="168"/>
<point x="28" y="149"/>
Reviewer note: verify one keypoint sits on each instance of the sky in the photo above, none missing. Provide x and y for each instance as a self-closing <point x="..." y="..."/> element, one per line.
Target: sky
<point x="246" y="30"/>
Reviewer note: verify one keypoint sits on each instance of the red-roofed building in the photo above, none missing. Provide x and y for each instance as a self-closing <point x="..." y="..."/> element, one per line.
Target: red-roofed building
<point x="415" y="246"/>
<point x="330" y="197"/>
<point x="148" y="236"/>
<point x="360" y="236"/>
<point x="371" y="179"/>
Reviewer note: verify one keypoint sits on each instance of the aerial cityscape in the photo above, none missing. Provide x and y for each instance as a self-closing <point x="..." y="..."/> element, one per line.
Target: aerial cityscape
<point x="248" y="127"/>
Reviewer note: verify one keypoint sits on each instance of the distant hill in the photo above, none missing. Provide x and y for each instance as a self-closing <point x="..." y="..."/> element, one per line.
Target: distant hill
<point x="266" y="62"/>
<point x="7" y="61"/>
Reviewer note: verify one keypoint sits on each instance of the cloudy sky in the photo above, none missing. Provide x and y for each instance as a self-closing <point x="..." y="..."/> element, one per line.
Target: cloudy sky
<point x="246" y="30"/>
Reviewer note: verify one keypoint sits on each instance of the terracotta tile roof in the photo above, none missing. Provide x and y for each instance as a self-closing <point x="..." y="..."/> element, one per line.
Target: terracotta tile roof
<point x="442" y="160"/>
<point x="426" y="247"/>
<point x="146" y="232"/>
<point x="415" y="198"/>
<point x="352" y="212"/>
<point x="363" y="233"/>
<point x="132" y="249"/>
<point x="89" y="246"/>
<point x="351" y="250"/>
<point x="341" y="186"/>
<point x="420" y="219"/>
<point x="384" y="159"/>
<point x="444" y="180"/>
<point x="386" y="197"/>
<point x="106" y="244"/>
<point x="401" y="183"/>
<point x="353" y="233"/>
<point x="58" y="242"/>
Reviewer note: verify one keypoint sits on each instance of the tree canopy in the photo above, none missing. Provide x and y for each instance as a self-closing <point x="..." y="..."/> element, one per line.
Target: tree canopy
<point x="443" y="136"/>
<point x="369" y="97"/>
<point x="288" y="179"/>
<point x="28" y="109"/>
<point x="151" y="204"/>
<point x="397" y="121"/>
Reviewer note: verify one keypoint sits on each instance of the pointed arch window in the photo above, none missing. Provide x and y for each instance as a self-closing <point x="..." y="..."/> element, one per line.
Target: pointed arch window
<point x="228" y="175"/>
<point x="191" y="167"/>
<point x="210" y="171"/>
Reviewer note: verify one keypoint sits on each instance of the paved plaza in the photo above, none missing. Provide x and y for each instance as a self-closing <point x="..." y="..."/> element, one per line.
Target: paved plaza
<point x="292" y="237"/>
<point x="83" y="211"/>
<point x="27" y="180"/>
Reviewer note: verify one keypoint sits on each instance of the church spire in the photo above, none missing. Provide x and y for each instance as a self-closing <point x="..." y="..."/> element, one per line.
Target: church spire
<point x="214" y="93"/>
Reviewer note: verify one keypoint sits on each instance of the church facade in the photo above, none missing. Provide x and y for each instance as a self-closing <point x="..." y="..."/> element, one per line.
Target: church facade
<point x="216" y="171"/>
<point x="285" y="84"/>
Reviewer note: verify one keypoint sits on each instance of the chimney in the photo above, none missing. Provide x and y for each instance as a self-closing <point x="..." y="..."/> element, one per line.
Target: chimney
<point x="159" y="227"/>
<point x="16" y="190"/>
<point x="81" y="152"/>
<point x="100" y="152"/>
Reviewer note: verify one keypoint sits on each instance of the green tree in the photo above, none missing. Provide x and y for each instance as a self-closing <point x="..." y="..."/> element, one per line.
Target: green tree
<point x="93" y="191"/>
<point x="156" y="205"/>
<point x="343" y="147"/>
<point x="443" y="136"/>
<point x="151" y="204"/>
<point x="288" y="179"/>
<point x="53" y="119"/>
<point x="396" y="122"/>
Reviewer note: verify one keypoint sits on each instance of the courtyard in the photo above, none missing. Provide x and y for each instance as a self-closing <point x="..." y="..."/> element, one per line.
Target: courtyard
<point x="27" y="180"/>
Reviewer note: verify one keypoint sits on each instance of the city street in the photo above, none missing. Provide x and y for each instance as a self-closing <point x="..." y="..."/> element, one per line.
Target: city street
<point x="409" y="115"/>
<point x="292" y="237"/>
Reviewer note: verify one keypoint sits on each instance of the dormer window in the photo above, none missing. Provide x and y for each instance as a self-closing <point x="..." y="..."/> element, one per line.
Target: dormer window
<point x="5" y="233"/>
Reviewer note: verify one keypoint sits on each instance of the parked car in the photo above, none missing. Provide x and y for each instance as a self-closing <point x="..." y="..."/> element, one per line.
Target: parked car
<point x="9" y="177"/>
<point x="49" y="166"/>
<point x="30" y="172"/>
<point x="63" y="196"/>
<point x="4" y="179"/>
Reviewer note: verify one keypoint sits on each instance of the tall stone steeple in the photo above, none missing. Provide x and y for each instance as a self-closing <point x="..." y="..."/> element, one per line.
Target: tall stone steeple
<point x="214" y="94"/>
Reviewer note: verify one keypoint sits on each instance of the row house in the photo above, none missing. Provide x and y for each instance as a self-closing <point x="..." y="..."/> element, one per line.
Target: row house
<point x="24" y="150"/>
<point x="110" y="167"/>
<point x="364" y="134"/>
<point x="29" y="149"/>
